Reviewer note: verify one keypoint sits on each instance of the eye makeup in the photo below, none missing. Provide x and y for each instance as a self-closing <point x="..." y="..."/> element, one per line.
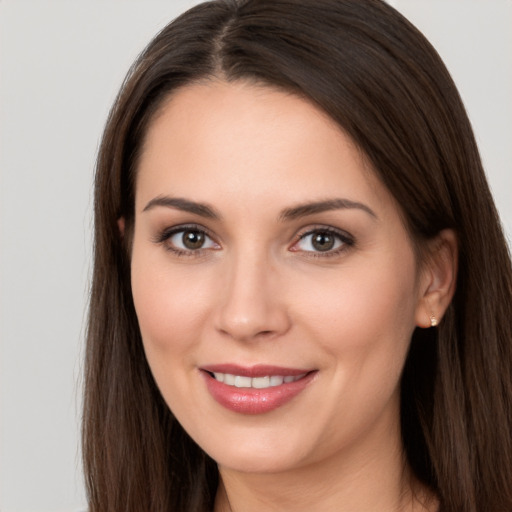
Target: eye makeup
<point x="186" y="240"/>
<point x="193" y="240"/>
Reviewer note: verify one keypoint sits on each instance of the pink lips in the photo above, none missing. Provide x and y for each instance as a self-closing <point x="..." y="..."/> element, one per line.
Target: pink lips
<point x="249" y="400"/>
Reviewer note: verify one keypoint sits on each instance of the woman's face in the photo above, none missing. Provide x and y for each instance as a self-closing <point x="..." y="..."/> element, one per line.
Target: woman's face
<point x="274" y="283"/>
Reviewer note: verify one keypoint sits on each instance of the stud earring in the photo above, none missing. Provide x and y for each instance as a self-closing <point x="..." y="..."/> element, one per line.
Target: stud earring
<point x="433" y="320"/>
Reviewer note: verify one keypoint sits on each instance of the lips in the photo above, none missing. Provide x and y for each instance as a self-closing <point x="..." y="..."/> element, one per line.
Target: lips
<point x="267" y="381"/>
<point x="257" y="389"/>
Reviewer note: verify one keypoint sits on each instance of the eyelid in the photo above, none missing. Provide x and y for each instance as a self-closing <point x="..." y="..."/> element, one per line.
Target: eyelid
<point x="164" y="236"/>
<point x="347" y="240"/>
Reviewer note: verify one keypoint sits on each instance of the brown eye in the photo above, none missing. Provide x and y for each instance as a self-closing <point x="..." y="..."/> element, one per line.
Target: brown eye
<point x="323" y="241"/>
<point x="187" y="240"/>
<point x="192" y="239"/>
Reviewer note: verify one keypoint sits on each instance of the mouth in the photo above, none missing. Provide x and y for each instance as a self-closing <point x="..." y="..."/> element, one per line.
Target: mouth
<point x="267" y="381"/>
<point x="255" y="390"/>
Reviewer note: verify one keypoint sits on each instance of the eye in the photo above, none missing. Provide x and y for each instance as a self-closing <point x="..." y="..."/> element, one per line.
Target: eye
<point x="185" y="240"/>
<point x="323" y="240"/>
<point x="191" y="239"/>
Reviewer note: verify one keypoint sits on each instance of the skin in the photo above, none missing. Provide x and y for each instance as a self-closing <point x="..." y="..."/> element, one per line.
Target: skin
<point x="258" y="293"/>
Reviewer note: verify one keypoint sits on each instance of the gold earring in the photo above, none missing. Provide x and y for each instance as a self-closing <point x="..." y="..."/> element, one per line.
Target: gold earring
<point x="433" y="320"/>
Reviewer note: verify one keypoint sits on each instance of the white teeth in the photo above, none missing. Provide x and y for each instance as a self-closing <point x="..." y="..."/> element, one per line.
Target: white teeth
<point x="276" y="380"/>
<point x="268" y="381"/>
<point x="242" y="382"/>
<point x="229" y="379"/>
<point x="261" y="382"/>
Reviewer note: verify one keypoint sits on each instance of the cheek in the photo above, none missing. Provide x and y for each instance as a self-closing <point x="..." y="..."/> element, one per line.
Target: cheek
<point x="363" y="320"/>
<point x="171" y="305"/>
<point x="364" y="316"/>
<point x="377" y="294"/>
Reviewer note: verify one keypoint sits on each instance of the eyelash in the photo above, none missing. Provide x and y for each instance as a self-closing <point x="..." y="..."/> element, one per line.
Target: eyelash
<point x="347" y="241"/>
<point x="168" y="233"/>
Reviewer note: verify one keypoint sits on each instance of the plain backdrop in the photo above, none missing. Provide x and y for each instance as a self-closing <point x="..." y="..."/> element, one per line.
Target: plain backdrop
<point x="61" y="64"/>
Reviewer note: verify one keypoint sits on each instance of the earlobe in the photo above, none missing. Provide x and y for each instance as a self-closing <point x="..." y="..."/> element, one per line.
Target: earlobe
<point x="438" y="280"/>
<point x="120" y="225"/>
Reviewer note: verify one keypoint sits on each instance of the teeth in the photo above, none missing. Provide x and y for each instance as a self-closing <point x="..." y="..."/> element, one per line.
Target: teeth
<point x="276" y="380"/>
<point x="229" y="379"/>
<point x="260" y="382"/>
<point x="240" y="381"/>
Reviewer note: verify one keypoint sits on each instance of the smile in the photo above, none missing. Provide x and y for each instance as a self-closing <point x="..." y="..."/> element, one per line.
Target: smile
<point x="255" y="390"/>
<point x="268" y="381"/>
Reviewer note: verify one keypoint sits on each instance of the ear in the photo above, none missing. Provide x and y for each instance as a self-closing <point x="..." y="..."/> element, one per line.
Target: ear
<point x="438" y="278"/>
<point x="120" y="225"/>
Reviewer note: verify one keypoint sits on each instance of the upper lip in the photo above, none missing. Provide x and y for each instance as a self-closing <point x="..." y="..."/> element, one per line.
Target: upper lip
<point x="259" y="370"/>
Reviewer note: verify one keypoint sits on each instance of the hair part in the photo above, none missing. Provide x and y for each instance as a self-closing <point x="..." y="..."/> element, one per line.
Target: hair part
<point x="375" y="75"/>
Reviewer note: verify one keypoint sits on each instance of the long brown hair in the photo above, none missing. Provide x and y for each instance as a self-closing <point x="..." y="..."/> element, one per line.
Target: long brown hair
<point x="383" y="83"/>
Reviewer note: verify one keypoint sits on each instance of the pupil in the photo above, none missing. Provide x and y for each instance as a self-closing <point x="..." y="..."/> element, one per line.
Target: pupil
<point x="323" y="241"/>
<point x="193" y="239"/>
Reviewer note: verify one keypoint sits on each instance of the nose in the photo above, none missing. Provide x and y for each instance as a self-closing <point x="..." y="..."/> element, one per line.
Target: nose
<point x="251" y="302"/>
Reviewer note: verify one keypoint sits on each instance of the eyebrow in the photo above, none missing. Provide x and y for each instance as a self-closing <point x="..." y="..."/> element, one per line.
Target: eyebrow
<point x="295" y="212"/>
<point x="179" y="203"/>
<point x="303" y="210"/>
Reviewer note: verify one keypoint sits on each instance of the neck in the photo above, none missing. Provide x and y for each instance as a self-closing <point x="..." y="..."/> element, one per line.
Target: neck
<point x="374" y="476"/>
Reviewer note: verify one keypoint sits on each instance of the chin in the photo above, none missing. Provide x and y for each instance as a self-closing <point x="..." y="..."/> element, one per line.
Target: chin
<point x="261" y="455"/>
<point x="257" y="463"/>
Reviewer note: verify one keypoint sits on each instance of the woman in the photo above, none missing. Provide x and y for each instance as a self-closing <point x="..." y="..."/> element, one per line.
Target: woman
<point x="301" y="290"/>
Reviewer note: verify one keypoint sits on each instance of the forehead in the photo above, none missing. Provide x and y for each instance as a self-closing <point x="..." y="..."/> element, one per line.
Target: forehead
<point x="224" y="141"/>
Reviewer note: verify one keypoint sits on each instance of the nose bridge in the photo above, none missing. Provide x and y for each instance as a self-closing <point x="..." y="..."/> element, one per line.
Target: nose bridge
<point x="251" y="305"/>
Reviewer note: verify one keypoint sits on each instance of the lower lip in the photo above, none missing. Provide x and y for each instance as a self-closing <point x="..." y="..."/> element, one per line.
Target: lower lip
<point x="255" y="401"/>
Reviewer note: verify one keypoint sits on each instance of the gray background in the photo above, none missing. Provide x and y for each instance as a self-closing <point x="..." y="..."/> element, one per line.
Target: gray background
<point x="61" y="64"/>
